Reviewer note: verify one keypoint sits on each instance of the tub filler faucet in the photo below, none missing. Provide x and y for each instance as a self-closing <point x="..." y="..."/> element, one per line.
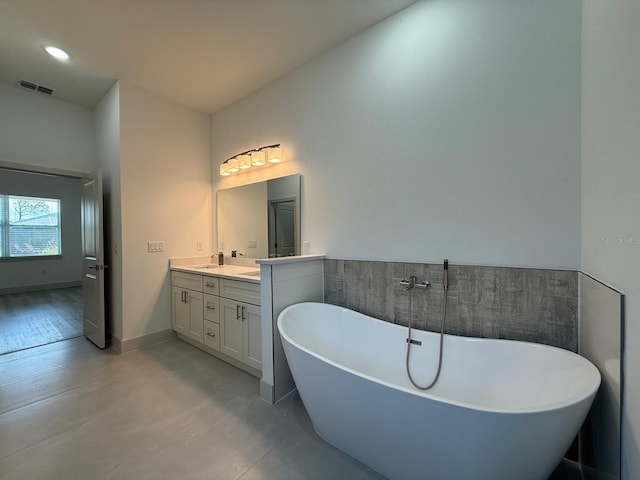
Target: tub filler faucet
<point x="413" y="283"/>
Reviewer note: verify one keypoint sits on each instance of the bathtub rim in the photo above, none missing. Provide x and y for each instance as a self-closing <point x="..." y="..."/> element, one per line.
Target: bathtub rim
<point x="574" y="399"/>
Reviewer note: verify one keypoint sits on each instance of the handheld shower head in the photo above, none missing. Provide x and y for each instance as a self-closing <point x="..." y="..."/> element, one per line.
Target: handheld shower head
<point x="445" y="267"/>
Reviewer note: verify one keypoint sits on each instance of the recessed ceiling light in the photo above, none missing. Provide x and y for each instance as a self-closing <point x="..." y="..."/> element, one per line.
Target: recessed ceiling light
<point x="56" y="52"/>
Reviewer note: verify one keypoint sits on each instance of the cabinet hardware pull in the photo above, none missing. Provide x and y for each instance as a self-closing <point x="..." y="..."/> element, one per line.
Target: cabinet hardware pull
<point x="209" y="334"/>
<point x="244" y="313"/>
<point x="209" y="284"/>
<point x="183" y="300"/>
<point x="237" y="312"/>
<point x="208" y="307"/>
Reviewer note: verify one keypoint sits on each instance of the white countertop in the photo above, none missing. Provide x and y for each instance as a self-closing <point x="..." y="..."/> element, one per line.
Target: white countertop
<point x="290" y="259"/>
<point x="233" y="272"/>
<point x="250" y="272"/>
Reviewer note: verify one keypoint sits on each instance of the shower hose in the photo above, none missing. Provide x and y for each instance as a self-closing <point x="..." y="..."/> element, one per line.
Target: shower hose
<point x="444" y="316"/>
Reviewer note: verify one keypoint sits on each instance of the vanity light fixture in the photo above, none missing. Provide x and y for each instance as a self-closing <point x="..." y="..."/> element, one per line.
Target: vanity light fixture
<point x="224" y="169"/>
<point x="234" y="165"/>
<point x="244" y="162"/>
<point x="256" y="157"/>
<point x="275" y="154"/>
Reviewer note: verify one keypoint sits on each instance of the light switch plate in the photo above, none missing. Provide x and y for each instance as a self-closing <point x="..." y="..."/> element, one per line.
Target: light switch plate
<point x="252" y="244"/>
<point x="155" y="246"/>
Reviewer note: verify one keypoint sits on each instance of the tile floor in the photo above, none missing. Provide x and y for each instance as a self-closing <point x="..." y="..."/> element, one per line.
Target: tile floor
<point x="71" y="411"/>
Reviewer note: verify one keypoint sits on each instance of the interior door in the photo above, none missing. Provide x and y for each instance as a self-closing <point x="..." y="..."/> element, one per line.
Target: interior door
<point x="282" y="227"/>
<point x="93" y="259"/>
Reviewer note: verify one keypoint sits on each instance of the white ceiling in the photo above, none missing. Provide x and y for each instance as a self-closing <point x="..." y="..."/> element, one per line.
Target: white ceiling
<point x="205" y="54"/>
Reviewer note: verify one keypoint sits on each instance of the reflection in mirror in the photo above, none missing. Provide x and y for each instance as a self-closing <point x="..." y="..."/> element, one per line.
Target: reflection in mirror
<point x="261" y="219"/>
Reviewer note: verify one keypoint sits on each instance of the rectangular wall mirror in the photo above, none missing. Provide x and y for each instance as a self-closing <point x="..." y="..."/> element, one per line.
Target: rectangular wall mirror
<point x="260" y="220"/>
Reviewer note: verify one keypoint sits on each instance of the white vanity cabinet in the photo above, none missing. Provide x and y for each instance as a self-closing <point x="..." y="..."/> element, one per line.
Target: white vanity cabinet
<point x="220" y="316"/>
<point x="186" y="305"/>
<point x="240" y="322"/>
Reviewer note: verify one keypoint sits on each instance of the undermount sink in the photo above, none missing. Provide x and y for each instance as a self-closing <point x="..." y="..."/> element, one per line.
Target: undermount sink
<point x="205" y="267"/>
<point x="254" y="273"/>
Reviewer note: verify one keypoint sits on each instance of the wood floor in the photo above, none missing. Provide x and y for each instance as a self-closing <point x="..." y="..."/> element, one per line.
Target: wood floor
<point x="37" y="318"/>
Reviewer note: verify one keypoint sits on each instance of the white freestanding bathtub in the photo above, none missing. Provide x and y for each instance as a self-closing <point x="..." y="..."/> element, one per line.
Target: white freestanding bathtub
<point x="501" y="410"/>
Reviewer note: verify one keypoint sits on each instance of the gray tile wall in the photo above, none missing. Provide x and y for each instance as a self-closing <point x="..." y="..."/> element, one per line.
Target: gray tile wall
<point x="490" y="302"/>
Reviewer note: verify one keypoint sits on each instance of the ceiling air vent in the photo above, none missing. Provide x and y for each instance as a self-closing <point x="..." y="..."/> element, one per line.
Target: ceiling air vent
<point x="45" y="90"/>
<point x="28" y="85"/>
<point x="34" y="87"/>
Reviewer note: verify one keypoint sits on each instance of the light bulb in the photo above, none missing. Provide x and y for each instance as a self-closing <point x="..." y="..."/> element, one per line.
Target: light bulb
<point x="275" y="155"/>
<point x="244" y="162"/>
<point x="56" y="52"/>
<point x="257" y="158"/>
<point x="233" y="165"/>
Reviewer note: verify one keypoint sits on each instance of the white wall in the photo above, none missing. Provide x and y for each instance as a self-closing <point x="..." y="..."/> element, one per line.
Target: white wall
<point x="165" y="195"/>
<point x="107" y="138"/>
<point x="611" y="179"/>
<point x="63" y="270"/>
<point x="451" y="129"/>
<point x="50" y="135"/>
<point x="43" y="131"/>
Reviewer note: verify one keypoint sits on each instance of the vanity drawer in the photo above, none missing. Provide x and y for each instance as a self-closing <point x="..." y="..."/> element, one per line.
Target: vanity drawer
<point x="212" y="335"/>
<point x="210" y="285"/>
<point x="247" y="292"/>
<point x="191" y="281"/>
<point x="211" y="308"/>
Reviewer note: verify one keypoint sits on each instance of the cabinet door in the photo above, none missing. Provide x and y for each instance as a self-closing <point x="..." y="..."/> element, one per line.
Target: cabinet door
<point x="179" y="310"/>
<point x="252" y="338"/>
<point x="196" y="317"/>
<point x="231" y="332"/>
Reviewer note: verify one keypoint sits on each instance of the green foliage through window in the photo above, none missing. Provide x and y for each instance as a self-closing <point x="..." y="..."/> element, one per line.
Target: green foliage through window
<point x="29" y="226"/>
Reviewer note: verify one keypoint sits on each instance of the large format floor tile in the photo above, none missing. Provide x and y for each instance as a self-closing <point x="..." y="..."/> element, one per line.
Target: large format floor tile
<point x="69" y="410"/>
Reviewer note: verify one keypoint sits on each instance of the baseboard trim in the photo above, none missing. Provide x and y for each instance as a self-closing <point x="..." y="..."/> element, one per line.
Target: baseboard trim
<point x="131" y="344"/>
<point x="37" y="288"/>
<point x="267" y="392"/>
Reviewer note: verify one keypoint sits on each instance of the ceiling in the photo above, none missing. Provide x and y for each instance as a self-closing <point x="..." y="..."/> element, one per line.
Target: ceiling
<point x="204" y="54"/>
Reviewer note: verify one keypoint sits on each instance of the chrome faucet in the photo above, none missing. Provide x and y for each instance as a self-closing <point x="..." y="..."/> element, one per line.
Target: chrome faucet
<point x="413" y="283"/>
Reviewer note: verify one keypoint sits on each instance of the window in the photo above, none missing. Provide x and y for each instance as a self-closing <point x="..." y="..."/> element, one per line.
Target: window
<point x="29" y="226"/>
